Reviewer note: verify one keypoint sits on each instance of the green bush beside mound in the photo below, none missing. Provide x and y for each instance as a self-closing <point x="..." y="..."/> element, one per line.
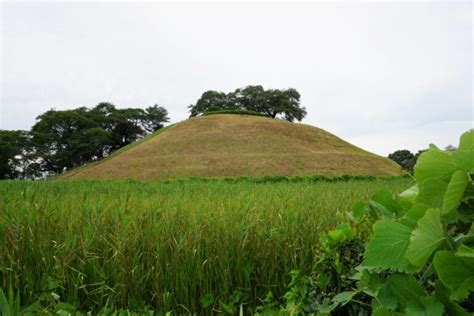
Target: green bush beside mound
<point x="287" y="179"/>
<point x="419" y="259"/>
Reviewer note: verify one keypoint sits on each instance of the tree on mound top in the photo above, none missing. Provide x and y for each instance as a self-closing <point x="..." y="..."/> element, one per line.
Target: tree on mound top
<point x="273" y="103"/>
<point x="211" y="101"/>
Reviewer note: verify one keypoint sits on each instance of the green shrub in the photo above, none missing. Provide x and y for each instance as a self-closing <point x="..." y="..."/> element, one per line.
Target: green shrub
<point x="329" y="288"/>
<point x="419" y="258"/>
<point x="286" y="179"/>
<point x="134" y="245"/>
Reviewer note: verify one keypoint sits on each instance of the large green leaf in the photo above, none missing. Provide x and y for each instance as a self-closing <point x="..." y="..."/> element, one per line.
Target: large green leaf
<point x="464" y="289"/>
<point x="359" y="209"/>
<point x="412" y="216"/>
<point x="463" y="159"/>
<point x="385" y="197"/>
<point x="434" y="164"/>
<point x="456" y="273"/>
<point x="452" y="308"/>
<point x="455" y="191"/>
<point x="465" y="251"/>
<point x="387" y="247"/>
<point x="410" y="193"/>
<point x="370" y="283"/>
<point x="432" y="192"/>
<point x="341" y="233"/>
<point x="430" y="307"/>
<point x="344" y="297"/>
<point x="466" y="141"/>
<point x="385" y="298"/>
<point x="406" y="289"/>
<point x="380" y="208"/>
<point x="426" y="238"/>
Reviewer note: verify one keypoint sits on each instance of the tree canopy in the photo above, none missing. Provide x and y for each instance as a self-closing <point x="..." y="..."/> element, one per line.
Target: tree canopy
<point x="12" y="145"/>
<point x="61" y="140"/>
<point x="64" y="139"/>
<point x="405" y="158"/>
<point x="273" y="103"/>
<point x="402" y="157"/>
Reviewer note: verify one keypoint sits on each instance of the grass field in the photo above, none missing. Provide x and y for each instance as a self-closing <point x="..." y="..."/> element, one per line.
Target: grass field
<point x="130" y="244"/>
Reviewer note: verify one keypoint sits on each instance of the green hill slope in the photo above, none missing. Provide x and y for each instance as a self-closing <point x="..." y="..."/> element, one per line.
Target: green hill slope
<point x="236" y="145"/>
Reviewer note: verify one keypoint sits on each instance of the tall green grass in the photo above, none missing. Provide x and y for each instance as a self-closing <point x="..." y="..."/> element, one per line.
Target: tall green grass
<point x="165" y="245"/>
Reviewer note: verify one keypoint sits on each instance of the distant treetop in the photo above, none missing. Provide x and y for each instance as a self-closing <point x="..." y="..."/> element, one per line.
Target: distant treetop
<point x="62" y="140"/>
<point x="272" y="103"/>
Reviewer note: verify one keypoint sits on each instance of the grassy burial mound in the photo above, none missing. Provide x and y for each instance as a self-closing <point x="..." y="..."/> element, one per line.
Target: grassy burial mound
<point x="228" y="145"/>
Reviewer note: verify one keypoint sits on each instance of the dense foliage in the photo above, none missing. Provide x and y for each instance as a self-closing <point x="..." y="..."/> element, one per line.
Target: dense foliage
<point x="272" y="102"/>
<point x="15" y="157"/>
<point x="186" y="246"/>
<point x="420" y="259"/>
<point x="289" y="179"/>
<point x="403" y="157"/>
<point x="61" y="140"/>
<point x="406" y="159"/>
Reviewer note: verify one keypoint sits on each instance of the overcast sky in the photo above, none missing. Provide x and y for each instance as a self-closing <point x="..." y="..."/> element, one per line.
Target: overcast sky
<point x="383" y="76"/>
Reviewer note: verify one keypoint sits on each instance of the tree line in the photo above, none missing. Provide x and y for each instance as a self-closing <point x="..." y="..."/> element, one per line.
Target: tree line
<point x="62" y="140"/>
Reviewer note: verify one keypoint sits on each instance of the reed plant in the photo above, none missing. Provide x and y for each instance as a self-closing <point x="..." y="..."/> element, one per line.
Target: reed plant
<point x="166" y="246"/>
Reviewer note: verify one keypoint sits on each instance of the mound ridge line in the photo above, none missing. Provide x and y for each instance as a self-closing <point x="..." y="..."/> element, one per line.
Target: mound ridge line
<point x="227" y="145"/>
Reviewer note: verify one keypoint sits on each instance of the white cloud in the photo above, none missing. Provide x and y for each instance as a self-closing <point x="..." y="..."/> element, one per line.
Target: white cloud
<point x="413" y="138"/>
<point x="361" y="68"/>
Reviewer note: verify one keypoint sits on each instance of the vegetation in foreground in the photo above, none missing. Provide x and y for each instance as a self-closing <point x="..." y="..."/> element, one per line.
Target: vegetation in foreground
<point x="182" y="246"/>
<point x="420" y="259"/>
